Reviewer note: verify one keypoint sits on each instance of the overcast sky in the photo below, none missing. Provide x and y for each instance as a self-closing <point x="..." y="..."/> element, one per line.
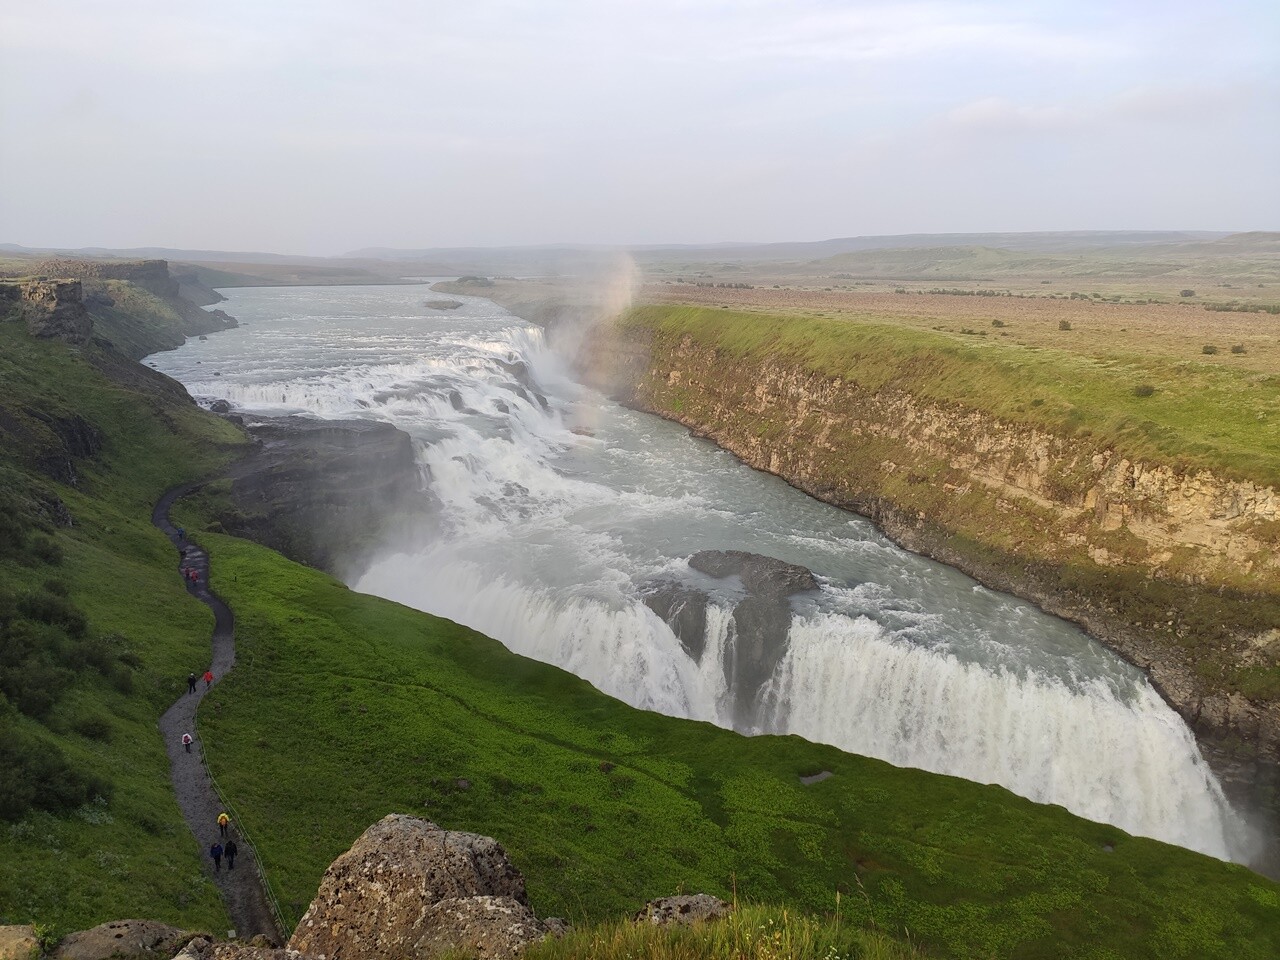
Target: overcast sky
<point x="324" y="126"/>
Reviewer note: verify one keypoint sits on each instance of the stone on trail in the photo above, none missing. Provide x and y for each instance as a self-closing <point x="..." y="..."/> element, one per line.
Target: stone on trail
<point x="684" y="909"/>
<point x="400" y="891"/>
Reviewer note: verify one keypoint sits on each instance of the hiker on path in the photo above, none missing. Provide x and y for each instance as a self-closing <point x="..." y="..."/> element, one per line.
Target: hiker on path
<point x="223" y="821"/>
<point x="216" y="852"/>
<point x="231" y="854"/>
<point x="182" y="533"/>
<point x="208" y="679"/>
<point x="191" y="683"/>
<point x="186" y="742"/>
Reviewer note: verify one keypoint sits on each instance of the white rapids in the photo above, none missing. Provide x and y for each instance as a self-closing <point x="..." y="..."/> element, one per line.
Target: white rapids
<point x="554" y="507"/>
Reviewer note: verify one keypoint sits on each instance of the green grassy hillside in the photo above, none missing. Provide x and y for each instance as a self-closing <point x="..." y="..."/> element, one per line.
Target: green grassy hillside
<point x="1195" y="414"/>
<point x="96" y="637"/>
<point x="344" y="707"/>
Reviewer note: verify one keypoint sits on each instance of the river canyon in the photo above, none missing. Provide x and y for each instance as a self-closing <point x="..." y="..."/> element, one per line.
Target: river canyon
<point x="564" y="524"/>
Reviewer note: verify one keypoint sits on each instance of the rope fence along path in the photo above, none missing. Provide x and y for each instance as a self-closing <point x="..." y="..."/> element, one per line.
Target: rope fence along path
<point x="250" y="903"/>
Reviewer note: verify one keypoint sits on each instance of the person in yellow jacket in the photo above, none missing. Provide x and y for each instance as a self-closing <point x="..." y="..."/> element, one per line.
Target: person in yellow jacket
<point x="223" y="822"/>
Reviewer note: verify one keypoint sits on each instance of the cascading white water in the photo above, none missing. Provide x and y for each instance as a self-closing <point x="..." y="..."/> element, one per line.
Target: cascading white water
<point x="546" y="539"/>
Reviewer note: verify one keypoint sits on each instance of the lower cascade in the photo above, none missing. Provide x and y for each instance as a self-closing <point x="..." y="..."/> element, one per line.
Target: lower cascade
<point x="552" y="519"/>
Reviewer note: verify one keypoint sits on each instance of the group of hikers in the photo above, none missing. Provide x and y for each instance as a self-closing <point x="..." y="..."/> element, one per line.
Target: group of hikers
<point x="220" y="850"/>
<point x="191" y="688"/>
<point x="225" y="845"/>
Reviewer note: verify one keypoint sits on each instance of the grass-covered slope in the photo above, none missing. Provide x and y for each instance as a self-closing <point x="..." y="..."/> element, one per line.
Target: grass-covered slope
<point x="1193" y="415"/>
<point x="96" y="637"/>
<point x="345" y="707"/>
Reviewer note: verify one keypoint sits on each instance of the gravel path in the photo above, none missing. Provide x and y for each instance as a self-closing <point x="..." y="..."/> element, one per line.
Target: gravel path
<point x="242" y="889"/>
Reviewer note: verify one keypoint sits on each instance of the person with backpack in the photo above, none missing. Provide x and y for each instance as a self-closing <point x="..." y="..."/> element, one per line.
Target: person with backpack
<point x="186" y="742"/>
<point x="216" y="852"/>
<point x="223" y="822"/>
<point x="230" y="853"/>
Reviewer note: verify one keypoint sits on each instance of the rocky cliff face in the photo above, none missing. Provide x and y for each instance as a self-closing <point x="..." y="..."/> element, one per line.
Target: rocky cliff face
<point x="51" y="308"/>
<point x="1177" y="570"/>
<point x="322" y="492"/>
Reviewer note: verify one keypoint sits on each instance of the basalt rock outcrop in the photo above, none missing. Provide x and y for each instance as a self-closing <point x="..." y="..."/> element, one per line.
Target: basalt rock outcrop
<point x="52" y="309"/>
<point x="761" y="618"/>
<point x="407" y="888"/>
<point x="323" y="492"/>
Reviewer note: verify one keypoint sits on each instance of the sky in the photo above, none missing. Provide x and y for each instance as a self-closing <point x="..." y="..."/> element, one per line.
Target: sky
<point x="320" y="127"/>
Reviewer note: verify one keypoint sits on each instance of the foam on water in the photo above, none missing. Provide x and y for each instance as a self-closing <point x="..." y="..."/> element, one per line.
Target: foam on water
<point x="546" y="538"/>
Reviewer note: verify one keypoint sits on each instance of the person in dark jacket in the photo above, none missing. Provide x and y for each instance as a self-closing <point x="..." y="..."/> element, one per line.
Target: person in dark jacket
<point x="216" y="852"/>
<point x="191" y="683"/>
<point x="230" y="853"/>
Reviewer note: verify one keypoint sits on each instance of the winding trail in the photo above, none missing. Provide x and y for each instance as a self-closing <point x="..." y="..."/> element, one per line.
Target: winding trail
<point x="243" y="889"/>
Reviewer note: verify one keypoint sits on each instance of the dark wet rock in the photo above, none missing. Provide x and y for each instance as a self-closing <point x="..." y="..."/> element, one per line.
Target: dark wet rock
<point x="443" y="304"/>
<point x="502" y="406"/>
<point x="542" y="401"/>
<point x="761" y="619"/>
<point x="324" y="492"/>
<point x="220" y="406"/>
<point x="685" y="610"/>
<point x="684" y="909"/>
<point x="456" y="401"/>
<point x="760" y="574"/>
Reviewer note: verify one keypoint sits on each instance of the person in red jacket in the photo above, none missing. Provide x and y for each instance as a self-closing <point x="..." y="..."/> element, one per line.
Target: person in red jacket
<point x="208" y="679"/>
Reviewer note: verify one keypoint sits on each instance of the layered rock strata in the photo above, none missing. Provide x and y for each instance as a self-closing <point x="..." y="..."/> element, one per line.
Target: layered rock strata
<point x="1175" y="569"/>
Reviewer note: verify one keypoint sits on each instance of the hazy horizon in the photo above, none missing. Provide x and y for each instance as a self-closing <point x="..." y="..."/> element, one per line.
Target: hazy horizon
<point x="317" y="129"/>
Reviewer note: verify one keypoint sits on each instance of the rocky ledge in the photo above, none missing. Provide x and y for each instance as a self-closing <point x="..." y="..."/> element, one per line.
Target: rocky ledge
<point x="322" y="492"/>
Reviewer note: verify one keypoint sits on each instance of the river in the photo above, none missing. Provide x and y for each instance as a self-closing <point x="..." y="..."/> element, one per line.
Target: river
<point x="553" y="510"/>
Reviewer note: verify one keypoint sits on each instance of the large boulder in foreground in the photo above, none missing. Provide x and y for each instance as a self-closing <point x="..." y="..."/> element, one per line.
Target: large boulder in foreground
<point x="121" y="938"/>
<point x="400" y="891"/>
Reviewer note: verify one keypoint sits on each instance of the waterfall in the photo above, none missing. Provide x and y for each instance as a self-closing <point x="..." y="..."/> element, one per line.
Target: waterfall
<point x="557" y="509"/>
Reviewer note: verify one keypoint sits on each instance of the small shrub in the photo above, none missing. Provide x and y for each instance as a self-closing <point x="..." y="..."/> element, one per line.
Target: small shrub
<point x="1143" y="390"/>
<point x="1187" y="293"/>
<point x="1064" y="324"/>
<point x="1237" y="348"/>
<point x="1209" y="348"/>
<point x="997" y="323"/>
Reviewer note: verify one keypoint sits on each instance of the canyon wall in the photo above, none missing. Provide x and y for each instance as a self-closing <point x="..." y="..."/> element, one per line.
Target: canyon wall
<point x="1175" y="569"/>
